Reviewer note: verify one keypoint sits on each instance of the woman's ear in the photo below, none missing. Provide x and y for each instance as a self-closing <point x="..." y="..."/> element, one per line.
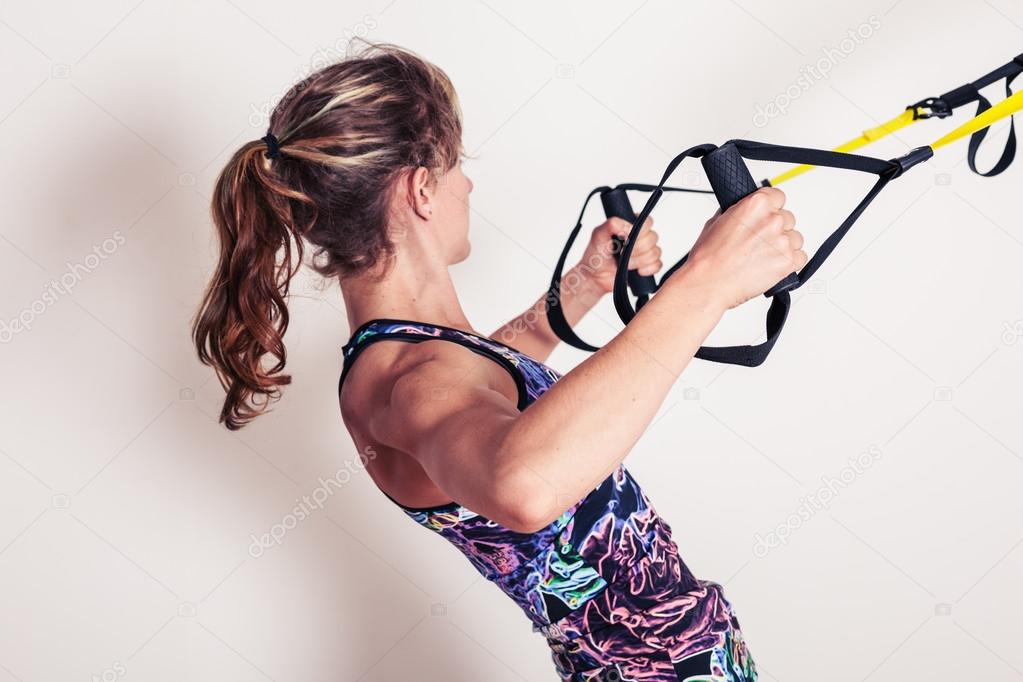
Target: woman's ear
<point x="422" y="194"/>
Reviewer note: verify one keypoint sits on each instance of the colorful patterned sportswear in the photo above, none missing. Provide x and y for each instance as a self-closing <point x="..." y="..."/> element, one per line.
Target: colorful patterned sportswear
<point x="604" y="582"/>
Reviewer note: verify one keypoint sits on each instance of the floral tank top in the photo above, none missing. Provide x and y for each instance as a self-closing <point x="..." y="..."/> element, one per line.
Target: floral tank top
<point x="603" y="583"/>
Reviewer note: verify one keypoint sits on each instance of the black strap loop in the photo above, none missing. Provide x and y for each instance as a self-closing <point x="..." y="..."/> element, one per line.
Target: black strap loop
<point x="752" y="355"/>
<point x="1009" y="152"/>
<point x="777" y="314"/>
<point x="970" y="92"/>
<point x="555" y="314"/>
<point x="746" y="355"/>
<point x="620" y="294"/>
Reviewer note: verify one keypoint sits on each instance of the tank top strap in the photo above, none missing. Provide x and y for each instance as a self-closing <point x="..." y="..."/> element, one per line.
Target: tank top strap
<point x="531" y="377"/>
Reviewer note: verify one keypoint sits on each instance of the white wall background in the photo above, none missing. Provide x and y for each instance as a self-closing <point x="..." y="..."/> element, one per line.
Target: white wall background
<point x="126" y="511"/>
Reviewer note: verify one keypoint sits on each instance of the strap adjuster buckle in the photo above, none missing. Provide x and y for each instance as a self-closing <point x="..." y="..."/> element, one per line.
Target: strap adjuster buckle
<point x="908" y="160"/>
<point x="937" y="108"/>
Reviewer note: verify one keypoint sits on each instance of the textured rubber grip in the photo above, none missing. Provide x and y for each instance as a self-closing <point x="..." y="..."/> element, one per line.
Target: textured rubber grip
<point x="616" y="205"/>
<point x="731" y="181"/>
<point x="728" y="175"/>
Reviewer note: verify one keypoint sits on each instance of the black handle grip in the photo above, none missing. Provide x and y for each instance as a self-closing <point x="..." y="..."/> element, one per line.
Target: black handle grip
<point x="616" y="205"/>
<point x="731" y="181"/>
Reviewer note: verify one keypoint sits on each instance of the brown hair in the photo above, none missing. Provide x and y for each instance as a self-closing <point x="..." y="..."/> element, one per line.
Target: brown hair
<point x="346" y="133"/>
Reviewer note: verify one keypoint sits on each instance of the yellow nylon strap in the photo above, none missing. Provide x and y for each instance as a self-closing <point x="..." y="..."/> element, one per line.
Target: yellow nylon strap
<point x="901" y="121"/>
<point x="1007" y="107"/>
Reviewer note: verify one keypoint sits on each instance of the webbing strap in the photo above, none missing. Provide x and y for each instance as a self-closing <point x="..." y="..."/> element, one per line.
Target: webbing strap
<point x="1008" y="153"/>
<point x="555" y="314"/>
<point x="752" y="355"/>
<point x="1007" y="107"/>
<point x="908" y="117"/>
<point x="777" y="314"/>
<point x="940" y="107"/>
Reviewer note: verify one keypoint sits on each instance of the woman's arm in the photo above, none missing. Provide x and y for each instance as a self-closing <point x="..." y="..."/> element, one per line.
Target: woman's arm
<point x="582" y="287"/>
<point x="531" y="333"/>
<point x="523" y="469"/>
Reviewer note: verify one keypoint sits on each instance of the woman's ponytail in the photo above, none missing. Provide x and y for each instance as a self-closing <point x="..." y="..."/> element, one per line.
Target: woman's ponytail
<point x="240" y="327"/>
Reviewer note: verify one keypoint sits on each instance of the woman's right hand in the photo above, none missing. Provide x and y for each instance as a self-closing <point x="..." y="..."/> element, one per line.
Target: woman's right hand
<point x="746" y="250"/>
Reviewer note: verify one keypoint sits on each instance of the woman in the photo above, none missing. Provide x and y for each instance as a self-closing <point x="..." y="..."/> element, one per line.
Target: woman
<point x="363" y="161"/>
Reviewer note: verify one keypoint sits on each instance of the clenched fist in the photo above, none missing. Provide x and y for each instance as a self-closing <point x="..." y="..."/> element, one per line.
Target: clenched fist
<point x="600" y="262"/>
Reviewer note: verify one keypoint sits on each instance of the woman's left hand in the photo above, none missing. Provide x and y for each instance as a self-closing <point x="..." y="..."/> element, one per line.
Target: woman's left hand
<point x="599" y="263"/>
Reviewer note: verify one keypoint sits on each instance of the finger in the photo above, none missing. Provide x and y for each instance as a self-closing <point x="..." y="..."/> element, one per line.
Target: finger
<point x="646" y="241"/>
<point x="645" y="257"/>
<point x="618" y="226"/>
<point x="775" y="197"/>
<point x="772" y="226"/>
<point x="650" y="268"/>
<point x="648" y="225"/>
<point x="795" y="239"/>
<point x="799" y="259"/>
<point x="789" y="219"/>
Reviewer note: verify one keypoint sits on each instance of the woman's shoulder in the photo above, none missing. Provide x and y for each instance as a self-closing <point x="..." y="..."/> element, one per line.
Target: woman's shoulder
<point x="431" y="365"/>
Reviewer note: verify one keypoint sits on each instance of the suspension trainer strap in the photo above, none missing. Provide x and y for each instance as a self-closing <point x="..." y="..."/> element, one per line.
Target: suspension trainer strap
<point x="731" y="181"/>
<point x="620" y="294"/>
<point x="908" y="117"/>
<point x="555" y="313"/>
<point x="885" y="170"/>
<point x="777" y="314"/>
<point x="940" y="107"/>
<point x="1009" y="153"/>
<point x="1004" y="109"/>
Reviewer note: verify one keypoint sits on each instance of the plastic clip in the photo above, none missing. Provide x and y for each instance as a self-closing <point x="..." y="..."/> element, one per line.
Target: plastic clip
<point x="910" y="159"/>
<point x="936" y="108"/>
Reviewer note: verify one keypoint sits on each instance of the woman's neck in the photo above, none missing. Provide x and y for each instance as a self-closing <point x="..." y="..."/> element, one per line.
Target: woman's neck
<point x="420" y="292"/>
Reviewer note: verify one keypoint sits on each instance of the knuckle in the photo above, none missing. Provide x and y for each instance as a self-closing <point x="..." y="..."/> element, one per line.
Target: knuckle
<point x="758" y="201"/>
<point x="776" y="194"/>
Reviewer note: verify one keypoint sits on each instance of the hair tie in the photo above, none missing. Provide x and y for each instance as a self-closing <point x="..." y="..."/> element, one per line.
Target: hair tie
<point x="273" y="146"/>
